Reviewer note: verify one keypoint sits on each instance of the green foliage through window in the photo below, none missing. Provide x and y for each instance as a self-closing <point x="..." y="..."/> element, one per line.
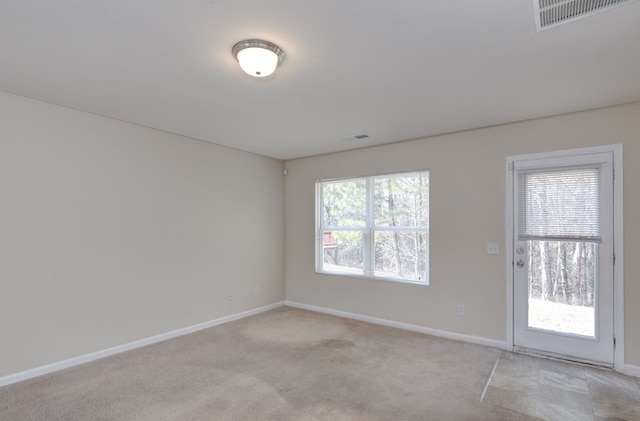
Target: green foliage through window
<point x="375" y="226"/>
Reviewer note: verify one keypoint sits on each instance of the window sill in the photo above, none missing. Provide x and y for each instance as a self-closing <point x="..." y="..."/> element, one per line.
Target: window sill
<point x="374" y="278"/>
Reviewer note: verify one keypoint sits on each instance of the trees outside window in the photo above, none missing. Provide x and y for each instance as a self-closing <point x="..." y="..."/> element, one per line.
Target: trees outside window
<point x="375" y="226"/>
<point x="560" y="222"/>
<point x="562" y="271"/>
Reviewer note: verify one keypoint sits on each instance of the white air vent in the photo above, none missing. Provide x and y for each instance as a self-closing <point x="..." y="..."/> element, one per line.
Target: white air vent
<point x="555" y="12"/>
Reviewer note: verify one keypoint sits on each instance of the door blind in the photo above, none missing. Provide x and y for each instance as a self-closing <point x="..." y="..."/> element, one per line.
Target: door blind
<point x="559" y="205"/>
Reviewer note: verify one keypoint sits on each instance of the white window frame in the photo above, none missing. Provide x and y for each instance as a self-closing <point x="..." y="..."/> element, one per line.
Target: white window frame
<point x="367" y="231"/>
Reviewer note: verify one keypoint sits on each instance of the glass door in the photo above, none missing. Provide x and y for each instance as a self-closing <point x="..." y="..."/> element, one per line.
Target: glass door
<point x="563" y="256"/>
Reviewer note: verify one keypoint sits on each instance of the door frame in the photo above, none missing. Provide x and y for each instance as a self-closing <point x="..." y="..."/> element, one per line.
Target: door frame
<point x="618" y="242"/>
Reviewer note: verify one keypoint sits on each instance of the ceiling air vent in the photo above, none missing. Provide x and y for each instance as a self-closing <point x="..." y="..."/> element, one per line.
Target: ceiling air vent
<point x="555" y="12"/>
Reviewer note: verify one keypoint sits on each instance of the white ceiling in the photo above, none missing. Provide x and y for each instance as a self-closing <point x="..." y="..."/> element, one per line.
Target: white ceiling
<point x="394" y="70"/>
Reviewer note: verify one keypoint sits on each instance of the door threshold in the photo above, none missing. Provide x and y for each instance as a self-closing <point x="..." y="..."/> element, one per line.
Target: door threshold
<point x="562" y="358"/>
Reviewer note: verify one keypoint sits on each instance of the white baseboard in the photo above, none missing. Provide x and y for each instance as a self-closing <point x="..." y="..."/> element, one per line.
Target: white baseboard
<point x="406" y="326"/>
<point x="61" y="365"/>
<point x="632" y="370"/>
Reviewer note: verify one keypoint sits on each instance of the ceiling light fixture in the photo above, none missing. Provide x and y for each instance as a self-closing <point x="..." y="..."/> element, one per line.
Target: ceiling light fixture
<point x="258" y="58"/>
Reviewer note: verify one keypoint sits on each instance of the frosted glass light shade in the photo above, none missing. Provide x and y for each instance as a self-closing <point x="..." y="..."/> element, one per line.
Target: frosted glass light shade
<point x="258" y="62"/>
<point x="258" y="58"/>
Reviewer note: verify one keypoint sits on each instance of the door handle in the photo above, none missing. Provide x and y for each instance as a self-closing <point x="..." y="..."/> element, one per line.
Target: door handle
<point x="520" y="263"/>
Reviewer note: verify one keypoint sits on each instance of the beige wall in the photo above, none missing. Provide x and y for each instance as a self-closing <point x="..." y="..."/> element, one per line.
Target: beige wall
<point x="111" y="233"/>
<point x="468" y="183"/>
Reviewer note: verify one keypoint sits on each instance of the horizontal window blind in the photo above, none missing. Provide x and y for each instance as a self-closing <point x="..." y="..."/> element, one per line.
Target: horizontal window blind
<point x="559" y="205"/>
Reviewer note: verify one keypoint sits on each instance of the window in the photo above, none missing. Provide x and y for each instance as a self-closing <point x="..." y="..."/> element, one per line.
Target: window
<point x="374" y="226"/>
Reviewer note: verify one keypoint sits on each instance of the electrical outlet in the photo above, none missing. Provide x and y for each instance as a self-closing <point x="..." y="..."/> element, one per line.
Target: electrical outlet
<point x="460" y="310"/>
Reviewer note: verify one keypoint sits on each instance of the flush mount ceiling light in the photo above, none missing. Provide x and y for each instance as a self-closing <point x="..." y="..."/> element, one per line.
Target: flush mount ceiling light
<point x="258" y="58"/>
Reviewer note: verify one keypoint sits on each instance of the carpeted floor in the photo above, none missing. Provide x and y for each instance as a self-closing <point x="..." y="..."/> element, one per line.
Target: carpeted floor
<point x="285" y="364"/>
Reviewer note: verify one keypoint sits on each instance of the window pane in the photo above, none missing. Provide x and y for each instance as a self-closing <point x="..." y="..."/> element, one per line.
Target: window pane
<point x="402" y="201"/>
<point x="562" y="277"/>
<point x="343" y="252"/>
<point x="401" y="255"/>
<point x="344" y="203"/>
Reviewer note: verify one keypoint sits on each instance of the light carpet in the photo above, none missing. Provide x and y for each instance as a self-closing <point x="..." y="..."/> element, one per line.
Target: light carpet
<point x="285" y="364"/>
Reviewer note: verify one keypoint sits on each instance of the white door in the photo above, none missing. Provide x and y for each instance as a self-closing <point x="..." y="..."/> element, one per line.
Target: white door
<point x="563" y="256"/>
